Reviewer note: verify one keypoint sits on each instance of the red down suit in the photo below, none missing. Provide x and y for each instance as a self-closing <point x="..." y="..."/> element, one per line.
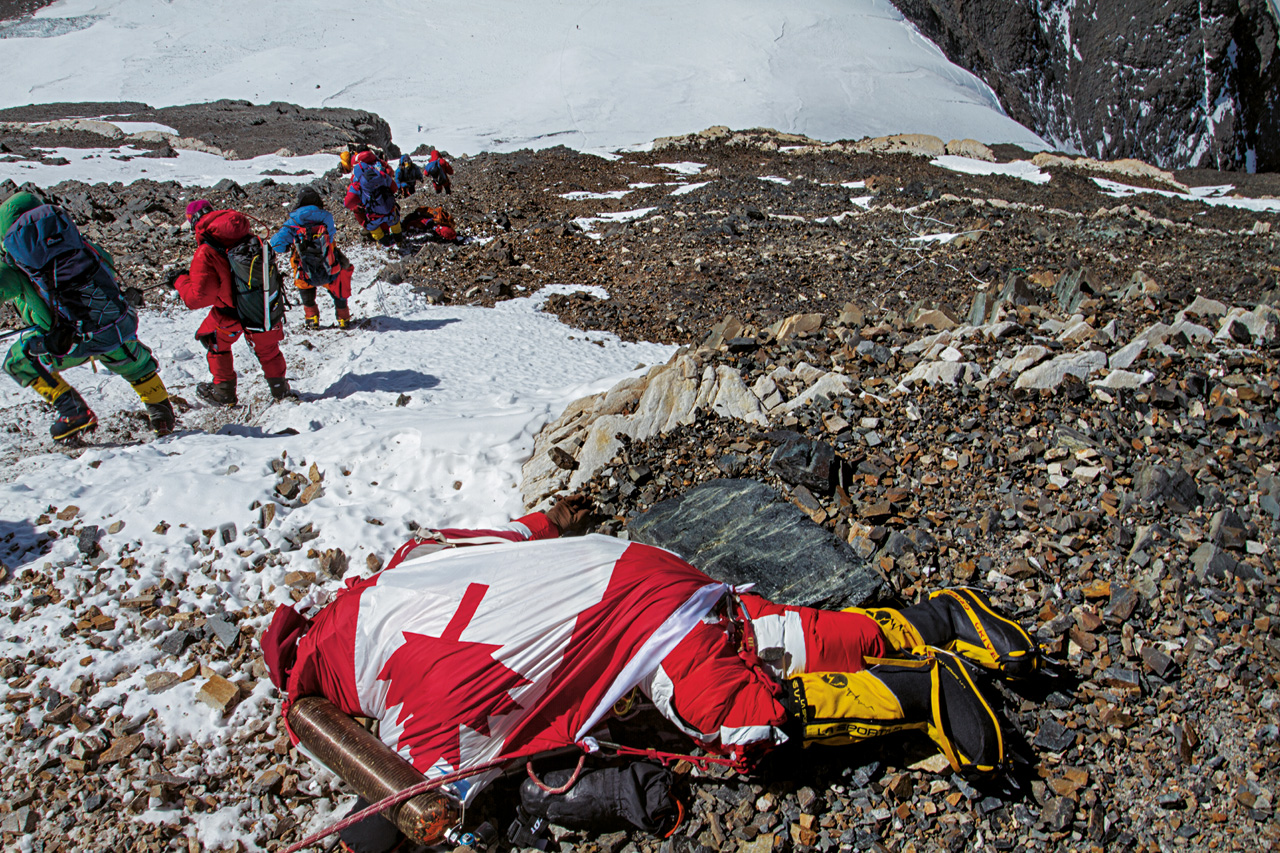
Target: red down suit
<point x="480" y="645"/>
<point x="208" y="284"/>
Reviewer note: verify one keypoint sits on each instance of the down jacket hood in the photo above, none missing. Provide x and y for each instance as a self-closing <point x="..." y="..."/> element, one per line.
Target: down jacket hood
<point x="14" y="208"/>
<point x="223" y="228"/>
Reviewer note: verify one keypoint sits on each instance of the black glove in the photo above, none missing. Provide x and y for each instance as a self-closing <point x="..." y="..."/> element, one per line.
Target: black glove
<point x="170" y="277"/>
<point x="60" y="340"/>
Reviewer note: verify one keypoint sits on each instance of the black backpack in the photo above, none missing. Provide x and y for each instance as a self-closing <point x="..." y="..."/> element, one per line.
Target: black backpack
<point x="314" y="259"/>
<point x="255" y="282"/>
<point x="70" y="275"/>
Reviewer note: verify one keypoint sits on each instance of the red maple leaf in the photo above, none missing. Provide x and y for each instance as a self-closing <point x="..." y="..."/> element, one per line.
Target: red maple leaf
<point x="442" y="684"/>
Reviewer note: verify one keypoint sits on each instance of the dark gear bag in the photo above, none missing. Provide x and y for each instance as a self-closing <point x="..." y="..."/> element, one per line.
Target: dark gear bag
<point x="72" y="279"/>
<point x="607" y="799"/>
<point x="377" y="190"/>
<point x="255" y="285"/>
<point x="314" y="253"/>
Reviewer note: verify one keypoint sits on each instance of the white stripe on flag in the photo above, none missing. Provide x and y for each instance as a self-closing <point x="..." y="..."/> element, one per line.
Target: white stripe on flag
<point x="658" y="646"/>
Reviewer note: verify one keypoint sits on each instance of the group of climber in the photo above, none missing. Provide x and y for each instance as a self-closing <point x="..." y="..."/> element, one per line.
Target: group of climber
<point x="374" y="189"/>
<point x="67" y="292"/>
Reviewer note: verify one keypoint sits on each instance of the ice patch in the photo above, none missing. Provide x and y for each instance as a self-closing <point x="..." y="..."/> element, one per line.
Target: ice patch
<point x="583" y="195"/>
<point x="683" y="168"/>
<point x="189" y="168"/>
<point x="1207" y="195"/>
<point x="588" y="223"/>
<point x="688" y="188"/>
<point x="1017" y="169"/>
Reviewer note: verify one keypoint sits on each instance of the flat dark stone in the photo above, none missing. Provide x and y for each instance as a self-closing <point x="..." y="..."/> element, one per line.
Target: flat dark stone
<point x="174" y="642"/>
<point x="1058" y="814"/>
<point x="1157" y="661"/>
<point x="742" y="531"/>
<point x="1124" y="600"/>
<point x="804" y="463"/>
<point x="1054" y="736"/>
<point x="227" y="633"/>
<point x="87" y="539"/>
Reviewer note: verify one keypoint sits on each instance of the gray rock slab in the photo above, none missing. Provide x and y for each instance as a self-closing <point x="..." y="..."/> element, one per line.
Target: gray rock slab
<point x="742" y="531"/>
<point x="1050" y="374"/>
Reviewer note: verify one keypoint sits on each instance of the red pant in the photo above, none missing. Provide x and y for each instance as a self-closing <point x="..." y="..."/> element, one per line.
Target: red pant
<point x="813" y="640"/>
<point x="219" y="332"/>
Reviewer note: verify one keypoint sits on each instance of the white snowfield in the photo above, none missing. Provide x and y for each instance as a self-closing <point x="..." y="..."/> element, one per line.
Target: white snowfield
<point x="499" y="75"/>
<point x="479" y="384"/>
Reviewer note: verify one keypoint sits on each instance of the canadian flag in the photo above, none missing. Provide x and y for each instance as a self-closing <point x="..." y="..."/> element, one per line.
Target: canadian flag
<point x="468" y="655"/>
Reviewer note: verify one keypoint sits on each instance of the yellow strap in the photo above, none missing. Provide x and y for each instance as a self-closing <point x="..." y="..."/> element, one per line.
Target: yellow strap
<point x="973" y="618"/>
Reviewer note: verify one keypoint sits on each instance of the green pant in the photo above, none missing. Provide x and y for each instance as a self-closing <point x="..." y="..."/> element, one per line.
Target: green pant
<point x="132" y="360"/>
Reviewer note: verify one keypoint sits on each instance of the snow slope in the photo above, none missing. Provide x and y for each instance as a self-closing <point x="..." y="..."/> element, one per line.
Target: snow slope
<point x="426" y="417"/>
<point x="501" y="74"/>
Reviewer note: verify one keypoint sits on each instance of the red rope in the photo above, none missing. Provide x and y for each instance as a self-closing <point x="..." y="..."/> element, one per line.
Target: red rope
<point x="702" y="762"/>
<point x="573" y="779"/>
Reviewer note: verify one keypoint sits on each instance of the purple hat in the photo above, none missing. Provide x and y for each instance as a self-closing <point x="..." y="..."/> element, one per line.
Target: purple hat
<point x="196" y="209"/>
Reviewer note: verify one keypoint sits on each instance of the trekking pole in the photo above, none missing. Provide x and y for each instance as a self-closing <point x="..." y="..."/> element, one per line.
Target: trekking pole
<point x="12" y="332"/>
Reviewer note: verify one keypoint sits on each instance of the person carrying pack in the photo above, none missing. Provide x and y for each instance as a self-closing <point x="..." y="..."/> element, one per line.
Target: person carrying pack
<point x="227" y="277"/>
<point x="371" y="198"/>
<point x="65" y="288"/>
<point x="439" y="170"/>
<point x="408" y="174"/>
<point x="307" y="236"/>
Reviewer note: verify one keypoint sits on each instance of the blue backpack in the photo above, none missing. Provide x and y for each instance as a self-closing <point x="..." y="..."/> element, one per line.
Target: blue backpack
<point x="71" y="277"/>
<point x="377" y="191"/>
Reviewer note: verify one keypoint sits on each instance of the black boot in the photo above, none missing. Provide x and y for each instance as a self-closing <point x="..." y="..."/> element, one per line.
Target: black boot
<point x="280" y="388"/>
<point x="161" y="417"/>
<point x="964" y="621"/>
<point x="933" y="694"/>
<point x="74" y="416"/>
<point x="218" y="393"/>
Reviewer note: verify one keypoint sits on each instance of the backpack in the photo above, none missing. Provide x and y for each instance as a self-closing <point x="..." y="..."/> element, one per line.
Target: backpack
<point x="377" y="190"/>
<point x="314" y="255"/>
<point x="68" y="272"/>
<point x="258" y="299"/>
<point x="441" y="217"/>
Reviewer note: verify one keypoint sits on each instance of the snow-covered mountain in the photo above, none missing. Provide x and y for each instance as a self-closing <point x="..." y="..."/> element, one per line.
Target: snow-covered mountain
<point x="501" y="75"/>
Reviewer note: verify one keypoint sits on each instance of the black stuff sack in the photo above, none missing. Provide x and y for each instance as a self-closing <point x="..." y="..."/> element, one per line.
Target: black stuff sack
<point x="607" y="799"/>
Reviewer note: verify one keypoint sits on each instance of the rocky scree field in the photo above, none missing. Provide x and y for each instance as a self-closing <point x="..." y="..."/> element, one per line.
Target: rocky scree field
<point x="1072" y="405"/>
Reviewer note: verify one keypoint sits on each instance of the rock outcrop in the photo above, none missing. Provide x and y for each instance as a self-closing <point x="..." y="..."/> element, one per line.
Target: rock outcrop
<point x="1179" y="84"/>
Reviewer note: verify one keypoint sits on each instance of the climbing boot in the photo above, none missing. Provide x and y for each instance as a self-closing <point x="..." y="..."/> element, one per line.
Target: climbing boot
<point x="74" y="414"/>
<point x="901" y="635"/>
<point x="964" y="621"/>
<point x="377" y="234"/>
<point x="151" y="391"/>
<point x="311" y="316"/>
<point x="218" y="393"/>
<point x="280" y="388"/>
<point x="344" y="318"/>
<point x="934" y="694"/>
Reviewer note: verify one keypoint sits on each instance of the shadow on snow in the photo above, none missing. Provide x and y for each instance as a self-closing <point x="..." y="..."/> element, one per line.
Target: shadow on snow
<point x="389" y="381"/>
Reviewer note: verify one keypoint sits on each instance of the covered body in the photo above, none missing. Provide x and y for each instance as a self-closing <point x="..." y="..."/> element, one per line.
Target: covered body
<point x="470" y="654"/>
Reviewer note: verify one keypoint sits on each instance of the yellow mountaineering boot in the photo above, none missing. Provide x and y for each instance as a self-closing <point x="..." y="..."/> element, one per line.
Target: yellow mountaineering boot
<point x="901" y="635"/>
<point x="964" y="621"/>
<point x="74" y="414"/>
<point x="934" y="694"/>
<point x="155" y="396"/>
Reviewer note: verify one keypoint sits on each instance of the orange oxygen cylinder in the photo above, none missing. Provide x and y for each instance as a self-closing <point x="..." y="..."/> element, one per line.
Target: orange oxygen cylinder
<point x="371" y="768"/>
